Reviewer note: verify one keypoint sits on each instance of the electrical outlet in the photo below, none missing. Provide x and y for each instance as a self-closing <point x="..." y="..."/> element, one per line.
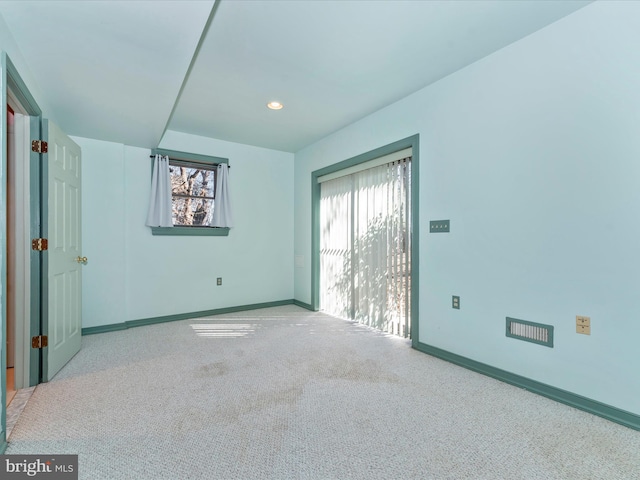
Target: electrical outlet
<point x="583" y="325"/>
<point x="455" y="302"/>
<point x="583" y="329"/>
<point x="585" y="321"/>
<point x="219" y="281"/>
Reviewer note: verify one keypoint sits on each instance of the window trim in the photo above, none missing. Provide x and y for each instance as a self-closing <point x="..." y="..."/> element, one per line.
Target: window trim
<point x="183" y="230"/>
<point x="191" y="231"/>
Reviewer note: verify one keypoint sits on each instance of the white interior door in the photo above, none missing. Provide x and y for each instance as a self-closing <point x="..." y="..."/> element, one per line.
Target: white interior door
<point x="65" y="250"/>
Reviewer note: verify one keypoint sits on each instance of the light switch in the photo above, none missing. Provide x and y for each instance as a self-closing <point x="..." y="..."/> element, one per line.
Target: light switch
<point x="583" y="325"/>
<point x="439" y="226"/>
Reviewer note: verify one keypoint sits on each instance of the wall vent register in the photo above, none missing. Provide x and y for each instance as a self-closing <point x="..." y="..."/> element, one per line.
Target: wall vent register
<point x="530" y="331"/>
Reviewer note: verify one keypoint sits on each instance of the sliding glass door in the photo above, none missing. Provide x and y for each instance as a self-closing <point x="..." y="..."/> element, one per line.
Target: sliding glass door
<point x="365" y="244"/>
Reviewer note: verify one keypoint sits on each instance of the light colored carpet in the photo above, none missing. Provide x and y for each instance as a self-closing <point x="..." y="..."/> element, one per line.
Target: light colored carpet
<point x="283" y="393"/>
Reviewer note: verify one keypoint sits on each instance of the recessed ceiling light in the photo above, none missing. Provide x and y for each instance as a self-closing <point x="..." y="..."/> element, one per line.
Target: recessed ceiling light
<point x="275" y="105"/>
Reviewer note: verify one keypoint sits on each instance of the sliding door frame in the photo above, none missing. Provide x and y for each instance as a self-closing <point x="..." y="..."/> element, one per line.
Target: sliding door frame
<point x="412" y="142"/>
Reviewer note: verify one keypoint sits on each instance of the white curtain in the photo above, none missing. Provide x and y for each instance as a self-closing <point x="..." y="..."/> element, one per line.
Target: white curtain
<point x="365" y="246"/>
<point x="160" y="201"/>
<point x="222" y="207"/>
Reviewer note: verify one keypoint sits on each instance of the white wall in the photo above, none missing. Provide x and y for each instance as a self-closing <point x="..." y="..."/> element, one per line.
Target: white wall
<point x="103" y="234"/>
<point x="532" y="153"/>
<point x="8" y="45"/>
<point x="132" y="274"/>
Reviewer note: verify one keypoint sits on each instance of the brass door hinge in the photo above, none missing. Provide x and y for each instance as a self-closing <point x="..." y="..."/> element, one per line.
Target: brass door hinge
<point x="39" y="146"/>
<point x="39" y="244"/>
<point x="39" y="341"/>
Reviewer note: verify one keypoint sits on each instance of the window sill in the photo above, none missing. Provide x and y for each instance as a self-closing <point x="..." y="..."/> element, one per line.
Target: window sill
<point x="191" y="231"/>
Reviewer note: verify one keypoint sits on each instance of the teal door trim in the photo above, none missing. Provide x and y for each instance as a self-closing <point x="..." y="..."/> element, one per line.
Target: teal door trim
<point x="36" y="201"/>
<point x="19" y="89"/>
<point x="3" y="243"/>
<point x="414" y="143"/>
<point x="10" y="80"/>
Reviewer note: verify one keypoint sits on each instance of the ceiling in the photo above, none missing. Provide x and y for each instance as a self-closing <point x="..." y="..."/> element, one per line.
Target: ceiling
<point x="127" y="71"/>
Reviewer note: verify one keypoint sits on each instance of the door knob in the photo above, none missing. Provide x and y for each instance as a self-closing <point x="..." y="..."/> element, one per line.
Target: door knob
<point x="82" y="260"/>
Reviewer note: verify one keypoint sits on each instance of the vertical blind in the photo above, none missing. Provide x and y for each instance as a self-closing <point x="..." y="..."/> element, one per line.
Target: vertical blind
<point x="365" y="245"/>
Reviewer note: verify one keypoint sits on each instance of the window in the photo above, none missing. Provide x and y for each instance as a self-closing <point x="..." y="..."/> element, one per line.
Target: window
<point x="193" y="191"/>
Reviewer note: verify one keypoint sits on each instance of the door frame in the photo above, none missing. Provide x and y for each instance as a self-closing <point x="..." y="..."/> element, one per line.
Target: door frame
<point x="10" y="80"/>
<point x="414" y="143"/>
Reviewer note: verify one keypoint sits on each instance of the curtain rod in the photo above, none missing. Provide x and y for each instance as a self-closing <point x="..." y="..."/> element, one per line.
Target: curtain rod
<point x="191" y="161"/>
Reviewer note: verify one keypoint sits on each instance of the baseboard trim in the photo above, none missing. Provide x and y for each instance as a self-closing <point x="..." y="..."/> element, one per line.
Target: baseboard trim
<point x="114" y="327"/>
<point x="303" y="305"/>
<point x="182" y="316"/>
<point x="594" y="407"/>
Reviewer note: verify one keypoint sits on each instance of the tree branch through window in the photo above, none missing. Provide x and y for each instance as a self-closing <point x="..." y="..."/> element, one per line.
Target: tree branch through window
<point x="193" y="193"/>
